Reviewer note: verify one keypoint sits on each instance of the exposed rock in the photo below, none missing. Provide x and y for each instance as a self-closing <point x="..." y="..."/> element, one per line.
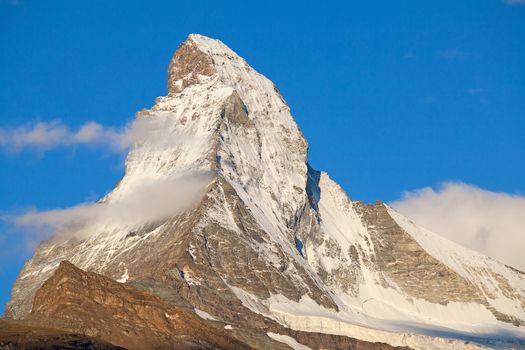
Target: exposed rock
<point x="402" y="260"/>
<point x="87" y="303"/>
<point x="15" y="335"/>
<point x="186" y="65"/>
<point x="89" y="306"/>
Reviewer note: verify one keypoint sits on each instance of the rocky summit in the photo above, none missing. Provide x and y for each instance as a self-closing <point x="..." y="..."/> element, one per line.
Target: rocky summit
<point x="258" y="250"/>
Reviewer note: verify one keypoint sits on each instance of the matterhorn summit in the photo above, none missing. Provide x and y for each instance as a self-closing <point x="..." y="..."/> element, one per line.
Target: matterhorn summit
<point x="258" y="240"/>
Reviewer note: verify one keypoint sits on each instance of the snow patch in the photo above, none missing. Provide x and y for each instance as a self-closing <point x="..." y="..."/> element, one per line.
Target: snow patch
<point x="124" y="278"/>
<point x="308" y="316"/>
<point x="204" y="315"/>
<point x="251" y="302"/>
<point x="291" y="342"/>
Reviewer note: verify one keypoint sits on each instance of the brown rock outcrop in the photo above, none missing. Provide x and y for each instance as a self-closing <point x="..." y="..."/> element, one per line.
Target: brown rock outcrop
<point x="91" y="304"/>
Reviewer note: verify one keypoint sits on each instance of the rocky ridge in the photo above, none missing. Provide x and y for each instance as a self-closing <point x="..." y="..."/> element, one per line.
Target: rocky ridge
<point x="97" y="307"/>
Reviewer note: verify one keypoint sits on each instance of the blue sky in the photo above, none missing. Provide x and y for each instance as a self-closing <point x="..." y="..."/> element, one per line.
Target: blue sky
<point x="391" y="96"/>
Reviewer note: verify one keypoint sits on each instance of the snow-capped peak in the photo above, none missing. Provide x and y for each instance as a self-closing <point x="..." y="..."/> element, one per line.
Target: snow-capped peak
<point x="211" y="46"/>
<point x="282" y="239"/>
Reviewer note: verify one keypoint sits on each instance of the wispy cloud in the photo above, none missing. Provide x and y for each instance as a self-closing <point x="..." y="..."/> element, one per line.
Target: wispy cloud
<point x="492" y="223"/>
<point x="150" y="201"/>
<point x="427" y="100"/>
<point x="10" y="2"/>
<point x="45" y="136"/>
<point x="453" y="54"/>
<point x="514" y="2"/>
<point x="146" y="200"/>
<point x="475" y="91"/>
<point x="409" y="55"/>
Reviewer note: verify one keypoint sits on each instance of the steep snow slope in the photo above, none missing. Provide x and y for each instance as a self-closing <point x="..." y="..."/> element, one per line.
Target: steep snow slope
<point x="265" y="236"/>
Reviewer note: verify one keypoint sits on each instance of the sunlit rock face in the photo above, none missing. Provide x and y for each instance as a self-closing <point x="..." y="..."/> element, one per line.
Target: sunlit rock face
<point x="267" y="238"/>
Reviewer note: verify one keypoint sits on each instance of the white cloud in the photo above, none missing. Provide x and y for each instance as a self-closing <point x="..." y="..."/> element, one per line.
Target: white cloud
<point x="145" y="201"/>
<point x="489" y="222"/>
<point x="148" y="202"/>
<point x="45" y="136"/>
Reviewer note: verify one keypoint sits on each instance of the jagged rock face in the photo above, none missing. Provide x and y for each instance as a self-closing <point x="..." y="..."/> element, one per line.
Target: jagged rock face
<point x="95" y="305"/>
<point x="186" y="65"/>
<point x="82" y="307"/>
<point x="401" y="259"/>
<point x="269" y="238"/>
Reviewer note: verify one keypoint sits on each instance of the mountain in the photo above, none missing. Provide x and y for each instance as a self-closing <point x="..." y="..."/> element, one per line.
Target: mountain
<point x="256" y="237"/>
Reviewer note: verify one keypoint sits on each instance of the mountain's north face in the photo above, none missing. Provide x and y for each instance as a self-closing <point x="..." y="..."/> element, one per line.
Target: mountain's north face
<point x="269" y="240"/>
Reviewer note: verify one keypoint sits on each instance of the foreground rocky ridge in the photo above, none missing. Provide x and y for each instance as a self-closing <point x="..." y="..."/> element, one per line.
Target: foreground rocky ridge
<point x="270" y="240"/>
<point x="78" y="307"/>
<point x="87" y="303"/>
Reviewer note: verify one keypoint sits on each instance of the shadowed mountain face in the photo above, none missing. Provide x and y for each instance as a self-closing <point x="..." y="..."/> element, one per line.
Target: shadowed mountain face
<point x="267" y="241"/>
<point x="20" y="336"/>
